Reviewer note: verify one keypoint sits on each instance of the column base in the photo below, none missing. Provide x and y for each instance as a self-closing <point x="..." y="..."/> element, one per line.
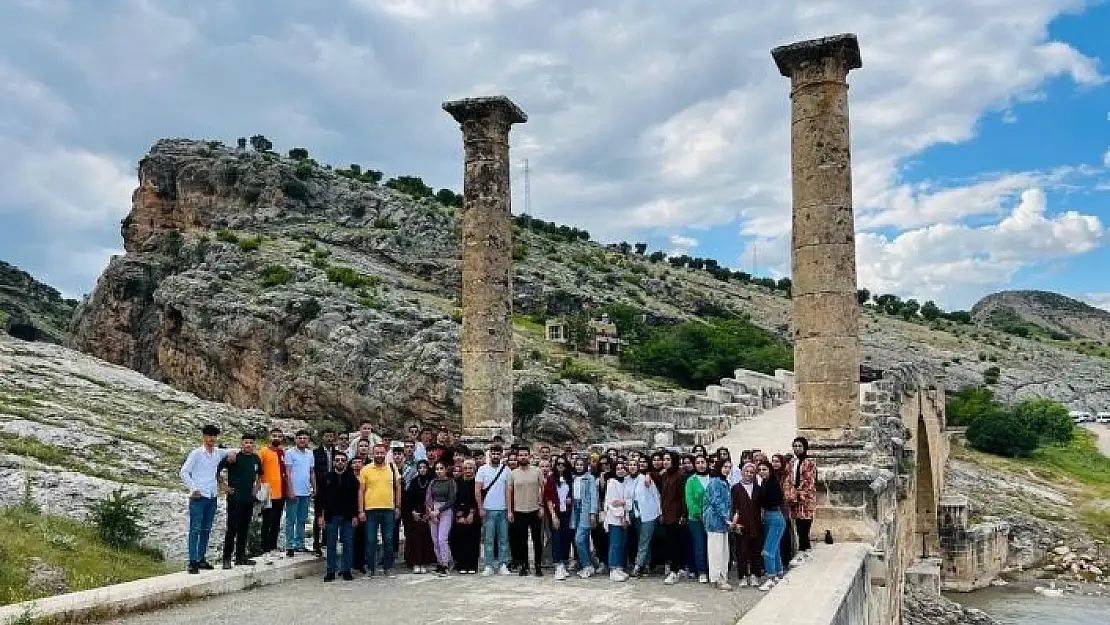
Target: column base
<point x="480" y="435"/>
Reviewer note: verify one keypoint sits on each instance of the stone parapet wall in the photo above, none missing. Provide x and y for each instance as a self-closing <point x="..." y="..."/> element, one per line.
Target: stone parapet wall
<point x="974" y="558"/>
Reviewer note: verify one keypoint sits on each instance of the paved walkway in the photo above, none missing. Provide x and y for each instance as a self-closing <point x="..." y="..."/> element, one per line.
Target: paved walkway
<point x="772" y="431"/>
<point x="425" y="600"/>
<point x="1102" y="431"/>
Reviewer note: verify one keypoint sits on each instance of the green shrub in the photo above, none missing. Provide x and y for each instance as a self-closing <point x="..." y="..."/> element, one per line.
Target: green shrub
<point x="27" y="501"/>
<point x="528" y="401"/>
<point x="372" y="302"/>
<point x="352" y="278"/>
<point x="307" y="247"/>
<point x="964" y="406"/>
<point x="991" y="375"/>
<point x="117" y="517"/>
<point x="384" y="223"/>
<point x="274" y="275"/>
<point x="295" y="189"/>
<point x="323" y="252"/>
<point x="250" y="244"/>
<point x="520" y="252"/>
<point x="227" y="236"/>
<point x="252" y="194"/>
<point x="1003" y="434"/>
<point x="696" y="354"/>
<point x="1047" y="419"/>
<point x="575" y="371"/>
<point x="303" y="170"/>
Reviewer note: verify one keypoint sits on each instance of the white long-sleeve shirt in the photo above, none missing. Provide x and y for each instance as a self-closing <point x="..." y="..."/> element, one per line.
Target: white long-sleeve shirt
<point x="614" y="492"/>
<point x="644" y="497"/>
<point x="200" y="468"/>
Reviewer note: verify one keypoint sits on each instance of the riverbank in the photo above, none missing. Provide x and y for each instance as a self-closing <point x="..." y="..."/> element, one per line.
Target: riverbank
<point x="1019" y="604"/>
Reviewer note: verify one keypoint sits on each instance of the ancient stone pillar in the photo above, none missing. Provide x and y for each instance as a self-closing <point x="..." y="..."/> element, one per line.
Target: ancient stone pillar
<point x="826" y="312"/>
<point x="487" y="288"/>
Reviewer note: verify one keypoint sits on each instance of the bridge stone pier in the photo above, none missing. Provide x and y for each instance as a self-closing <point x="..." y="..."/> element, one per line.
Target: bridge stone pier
<point x="879" y="447"/>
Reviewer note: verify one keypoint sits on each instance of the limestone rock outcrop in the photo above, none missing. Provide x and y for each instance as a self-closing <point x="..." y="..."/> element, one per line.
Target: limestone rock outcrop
<point x="31" y="310"/>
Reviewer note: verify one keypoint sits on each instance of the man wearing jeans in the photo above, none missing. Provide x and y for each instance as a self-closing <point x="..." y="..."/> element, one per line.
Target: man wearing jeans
<point x="199" y="475"/>
<point x="489" y="490"/>
<point x="337" y="514"/>
<point x="300" y="486"/>
<point x="379" y="499"/>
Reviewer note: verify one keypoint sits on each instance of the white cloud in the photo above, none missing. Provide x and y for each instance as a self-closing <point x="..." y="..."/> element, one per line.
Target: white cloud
<point x="71" y="188"/>
<point x="681" y="244"/>
<point x="958" y="263"/>
<point x="1101" y="300"/>
<point x="644" y="119"/>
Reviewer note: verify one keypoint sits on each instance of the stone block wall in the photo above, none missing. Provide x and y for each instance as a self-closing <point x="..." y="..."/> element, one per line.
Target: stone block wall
<point x="974" y="557"/>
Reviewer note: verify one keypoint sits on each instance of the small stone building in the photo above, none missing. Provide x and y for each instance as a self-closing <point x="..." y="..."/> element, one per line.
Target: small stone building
<point x="604" y="340"/>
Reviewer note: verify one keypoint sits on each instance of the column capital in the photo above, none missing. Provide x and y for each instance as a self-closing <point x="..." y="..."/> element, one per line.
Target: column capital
<point x="794" y="56"/>
<point x="485" y="107"/>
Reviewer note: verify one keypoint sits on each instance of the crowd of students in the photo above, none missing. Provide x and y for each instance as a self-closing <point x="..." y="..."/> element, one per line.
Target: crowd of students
<point x="694" y="515"/>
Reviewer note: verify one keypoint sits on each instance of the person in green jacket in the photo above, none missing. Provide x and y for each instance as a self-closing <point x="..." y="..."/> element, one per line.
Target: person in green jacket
<point x="695" y="500"/>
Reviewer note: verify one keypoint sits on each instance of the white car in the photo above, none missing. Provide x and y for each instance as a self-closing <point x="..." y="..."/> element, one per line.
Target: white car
<point x="1102" y="417"/>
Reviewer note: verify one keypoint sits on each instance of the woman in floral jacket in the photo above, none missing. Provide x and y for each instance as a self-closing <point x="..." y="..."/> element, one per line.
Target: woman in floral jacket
<point x="803" y="478"/>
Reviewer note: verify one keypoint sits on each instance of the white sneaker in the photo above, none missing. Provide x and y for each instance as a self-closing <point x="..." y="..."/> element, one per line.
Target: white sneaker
<point x="617" y="575"/>
<point x="723" y="585"/>
<point x="743" y="582"/>
<point x="486" y="572"/>
<point x="703" y="579"/>
<point x="586" y="572"/>
<point x="753" y="581"/>
<point x="767" y="585"/>
<point x="504" y="570"/>
<point x="798" y="560"/>
<point x="671" y="579"/>
<point x="561" y="572"/>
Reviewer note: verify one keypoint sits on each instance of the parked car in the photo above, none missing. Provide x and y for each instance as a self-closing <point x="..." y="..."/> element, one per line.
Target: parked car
<point x="1102" y="417"/>
<point x="1081" y="416"/>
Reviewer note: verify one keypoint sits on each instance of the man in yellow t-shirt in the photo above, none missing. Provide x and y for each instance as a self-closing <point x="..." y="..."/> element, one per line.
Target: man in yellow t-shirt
<point x="379" y="499"/>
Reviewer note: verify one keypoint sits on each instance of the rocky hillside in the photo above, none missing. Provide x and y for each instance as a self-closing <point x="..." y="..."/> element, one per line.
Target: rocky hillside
<point x="1041" y="312"/>
<point x="277" y="283"/>
<point x="75" y="428"/>
<point x="30" y="309"/>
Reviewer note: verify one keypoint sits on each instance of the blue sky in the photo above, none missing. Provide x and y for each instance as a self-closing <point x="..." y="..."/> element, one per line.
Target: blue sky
<point x="981" y="129"/>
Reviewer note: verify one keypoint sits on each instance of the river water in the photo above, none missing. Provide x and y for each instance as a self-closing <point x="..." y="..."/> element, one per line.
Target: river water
<point x="1017" y="604"/>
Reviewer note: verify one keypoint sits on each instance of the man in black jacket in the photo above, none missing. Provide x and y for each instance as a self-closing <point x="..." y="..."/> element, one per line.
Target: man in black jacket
<point x="337" y="512"/>
<point x="322" y="465"/>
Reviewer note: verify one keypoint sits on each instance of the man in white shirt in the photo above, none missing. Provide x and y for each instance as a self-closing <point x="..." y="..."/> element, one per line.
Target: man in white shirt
<point x="199" y="472"/>
<point x="365" y="433"/>
<point x="489" y="491"/>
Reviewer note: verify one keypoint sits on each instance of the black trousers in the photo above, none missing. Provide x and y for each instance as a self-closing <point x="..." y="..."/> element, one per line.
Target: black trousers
<point x="464" y="542"/>
<point x="600" y="538"/>
<point x="358" y="561"/>
<point x="271" y="524"/>
<point x="518" y="537"/>
<point x="238" y="528"/>
<point x="786" y="546"/>
<point x="803" y="526"/>
<point x="671" y="537"/>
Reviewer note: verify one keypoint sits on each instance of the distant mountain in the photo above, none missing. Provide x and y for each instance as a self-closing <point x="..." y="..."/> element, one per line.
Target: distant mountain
<point x="31" y="310"/>
<point x="1043" y="313"/>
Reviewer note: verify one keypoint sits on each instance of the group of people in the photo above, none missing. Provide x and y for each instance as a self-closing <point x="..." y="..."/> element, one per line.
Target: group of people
<point x="692" y="515"/>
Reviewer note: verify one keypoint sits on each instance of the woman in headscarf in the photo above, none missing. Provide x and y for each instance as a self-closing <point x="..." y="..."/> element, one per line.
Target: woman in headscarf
<point x="419" y="550"/>
<point x="439" y="504"/>
<point x="803" y="476"/>
<point x="559" y="503"/>
<point x="616" y="521"/>
<point x="672" y="494"/>
<point x="716" y="515"/>
<point x="781" y="471"/>
<point x="695" y="525"/>
<point x="583" y="515"/>
<point x="600" y="532"/>
<point x="466" y="534"/>
<point x="747" y="526"/>
<point x="771" y="501"/>
<point x="733" y="476"/>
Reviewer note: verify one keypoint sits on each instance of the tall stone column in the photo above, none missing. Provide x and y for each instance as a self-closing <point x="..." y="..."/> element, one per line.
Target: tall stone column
<point x="826" y="311"/>
<point x="487" y="288"/>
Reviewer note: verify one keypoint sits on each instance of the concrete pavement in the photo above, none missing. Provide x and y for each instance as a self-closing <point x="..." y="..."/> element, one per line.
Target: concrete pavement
<point x="425" y="599"/>
<point x="772" y="431"/>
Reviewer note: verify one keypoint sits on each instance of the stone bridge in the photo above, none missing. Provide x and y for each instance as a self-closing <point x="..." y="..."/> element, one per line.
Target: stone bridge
<point x="880" y="446"/>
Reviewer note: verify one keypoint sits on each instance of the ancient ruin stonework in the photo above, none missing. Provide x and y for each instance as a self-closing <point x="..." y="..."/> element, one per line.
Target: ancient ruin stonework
<point x="826" y="312"/>
<point x="486" y="340"/>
